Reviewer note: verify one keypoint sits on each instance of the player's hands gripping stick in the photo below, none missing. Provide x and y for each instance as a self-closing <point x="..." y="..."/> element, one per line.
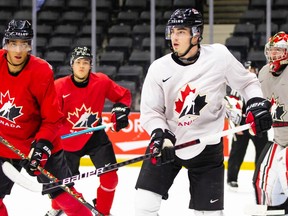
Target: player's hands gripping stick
<point x="162" y="146"/>
<point x="38" y="156"/>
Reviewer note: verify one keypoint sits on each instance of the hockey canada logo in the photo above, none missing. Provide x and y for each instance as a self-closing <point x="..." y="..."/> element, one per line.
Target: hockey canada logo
<point x="83" y="118"/>
<point x="277" y="110"/>
<point x="8" y="109"/>
<point x="189" y="104"/>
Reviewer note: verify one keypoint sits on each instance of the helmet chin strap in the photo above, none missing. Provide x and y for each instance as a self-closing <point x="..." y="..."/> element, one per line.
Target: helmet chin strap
<point x="15" y="65"/>
<point x="190" y="59"/>
<point x="189" y="48"/>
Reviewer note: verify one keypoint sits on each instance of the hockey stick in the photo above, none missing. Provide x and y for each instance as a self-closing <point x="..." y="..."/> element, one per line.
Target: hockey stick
<point x="100" y="127"/>
<point x="50" y="176"/>
<point x="102" y="170"/>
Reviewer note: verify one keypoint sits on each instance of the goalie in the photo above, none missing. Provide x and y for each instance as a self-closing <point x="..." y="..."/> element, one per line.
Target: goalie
<point x="270" y="178"/>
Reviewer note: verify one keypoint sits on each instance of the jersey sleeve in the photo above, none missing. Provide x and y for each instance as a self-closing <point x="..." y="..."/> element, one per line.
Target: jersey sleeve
<point x="152" y="103"/>
<point x="48" y="105"/>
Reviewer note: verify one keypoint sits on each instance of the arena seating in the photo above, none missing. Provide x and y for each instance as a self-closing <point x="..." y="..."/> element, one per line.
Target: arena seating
<point x="123" y="32"/>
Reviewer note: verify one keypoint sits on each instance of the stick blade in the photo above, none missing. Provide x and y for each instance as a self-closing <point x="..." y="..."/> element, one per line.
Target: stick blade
<point x="14" y="175"/>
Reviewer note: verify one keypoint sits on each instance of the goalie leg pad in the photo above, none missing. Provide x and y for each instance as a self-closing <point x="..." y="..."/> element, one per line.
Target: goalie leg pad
<point x="147" y="203"/>
<point x="266" y="182"/>
<point x="3" y="210"/>
<point x="71" y="206"/>
<point x="282" y="157"/>
<point x="106" y="191"/>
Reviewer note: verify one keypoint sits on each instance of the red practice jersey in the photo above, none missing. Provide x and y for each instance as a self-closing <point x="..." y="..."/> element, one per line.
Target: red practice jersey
<point x="29" y="108"/>
<point x="83" y="106"/>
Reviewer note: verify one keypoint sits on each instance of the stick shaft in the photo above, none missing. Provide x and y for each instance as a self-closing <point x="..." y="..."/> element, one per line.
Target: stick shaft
<point x="100" y="127"/>
<point x="208" y="138"/>
<point x="50" y="176"/>
<point x="115" y="166"/>
<point x="97" y="172"/>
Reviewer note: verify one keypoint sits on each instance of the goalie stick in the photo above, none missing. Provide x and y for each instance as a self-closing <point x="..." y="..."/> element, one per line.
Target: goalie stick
<point x="48" y="175"/>
<point x="14" y="176"/>
<point x="100" y="127"/>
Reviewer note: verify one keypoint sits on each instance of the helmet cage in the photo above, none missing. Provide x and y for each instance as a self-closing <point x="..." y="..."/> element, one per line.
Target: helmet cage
<point x="276" y="51"/>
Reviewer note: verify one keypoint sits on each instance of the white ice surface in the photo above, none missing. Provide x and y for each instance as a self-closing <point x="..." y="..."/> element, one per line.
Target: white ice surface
<point x="22" y="202"/>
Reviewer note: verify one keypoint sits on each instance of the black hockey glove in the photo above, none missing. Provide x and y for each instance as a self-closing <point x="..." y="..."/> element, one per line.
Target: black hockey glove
<point x="258" y="115"/>
<point x="162" y="146"/>
<point x="119" y="116"/>
<point x="38" y="156"/>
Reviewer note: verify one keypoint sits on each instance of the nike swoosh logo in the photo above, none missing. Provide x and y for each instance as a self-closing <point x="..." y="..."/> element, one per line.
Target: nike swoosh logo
<point x="213" y="201"/>
<point x="64" y="96"/>
<point x="106" y="165"/>
<point x="164" y="80"/>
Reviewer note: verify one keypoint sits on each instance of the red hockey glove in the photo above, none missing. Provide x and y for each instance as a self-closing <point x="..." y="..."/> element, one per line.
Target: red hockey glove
<point x="162" y="146"/>
<point x="38" y="156"/>
<point x="258" y="115"/>
<point x="119" y="116"/>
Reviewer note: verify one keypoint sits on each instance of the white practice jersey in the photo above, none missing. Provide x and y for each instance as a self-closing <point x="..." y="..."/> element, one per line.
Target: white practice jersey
<point x="275" y="89"/>
<point x="189" y="100"/>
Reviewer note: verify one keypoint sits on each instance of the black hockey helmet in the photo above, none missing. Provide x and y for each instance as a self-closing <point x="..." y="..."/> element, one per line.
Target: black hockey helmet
<point x="81" y="52"/>
<point x="188" y="17"/>
<point x="19" y="29"/>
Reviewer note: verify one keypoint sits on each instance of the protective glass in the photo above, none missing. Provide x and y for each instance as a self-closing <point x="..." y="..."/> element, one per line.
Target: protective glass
<point x="18" y="46"/>
<point x="169" y="31"/>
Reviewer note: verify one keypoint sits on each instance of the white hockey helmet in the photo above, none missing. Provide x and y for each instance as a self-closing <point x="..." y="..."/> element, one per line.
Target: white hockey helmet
<point x="276" y="51"/>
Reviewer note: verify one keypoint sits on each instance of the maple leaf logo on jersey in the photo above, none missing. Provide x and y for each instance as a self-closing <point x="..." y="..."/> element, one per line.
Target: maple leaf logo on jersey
<point x="83" y="118"/>
<point x="8" y="109"/>
<point x="277" y="110"/>
<point x="189" y="103"/>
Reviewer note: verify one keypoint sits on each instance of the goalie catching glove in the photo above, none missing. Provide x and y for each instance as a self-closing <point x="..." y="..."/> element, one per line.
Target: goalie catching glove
<point x="258" y="115"/>
<point x="38" y="156"/>
<point x="162" y="146"/>
<point x="119" y="116"/>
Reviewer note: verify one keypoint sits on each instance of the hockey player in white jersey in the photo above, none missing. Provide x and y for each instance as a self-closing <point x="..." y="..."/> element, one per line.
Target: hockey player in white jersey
<point x="270" y="178"/>
<point x="203" y="71"/>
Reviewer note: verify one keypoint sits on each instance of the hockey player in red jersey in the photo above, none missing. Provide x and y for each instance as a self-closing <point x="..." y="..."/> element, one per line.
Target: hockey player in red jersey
<point x="30" y="117"/>
<point x="270" y="177"/>
<point x="183" y="100"/>
<point x="82" y="96"/>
